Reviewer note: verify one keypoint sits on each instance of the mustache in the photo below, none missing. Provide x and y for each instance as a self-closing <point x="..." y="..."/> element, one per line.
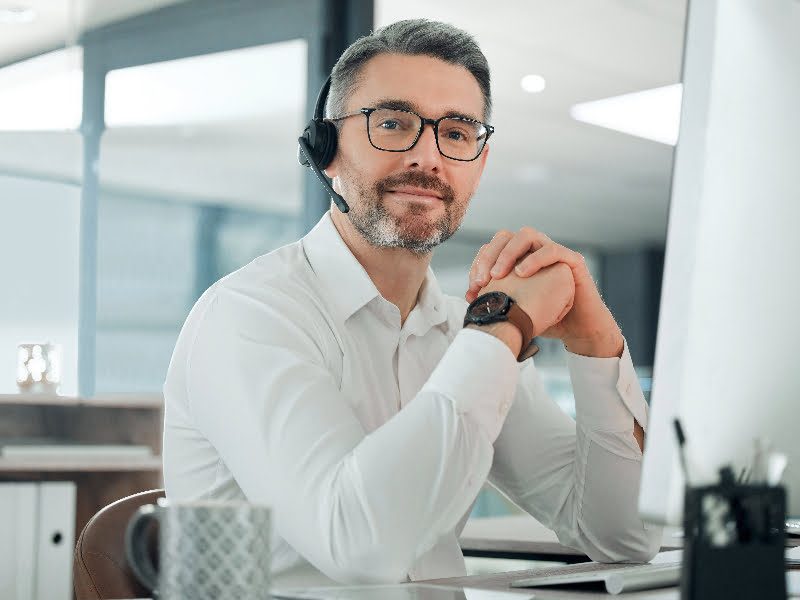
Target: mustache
<point x="416" y="179"/>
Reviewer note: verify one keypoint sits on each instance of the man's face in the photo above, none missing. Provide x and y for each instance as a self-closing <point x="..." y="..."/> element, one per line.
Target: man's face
<point x="414" y="199"/>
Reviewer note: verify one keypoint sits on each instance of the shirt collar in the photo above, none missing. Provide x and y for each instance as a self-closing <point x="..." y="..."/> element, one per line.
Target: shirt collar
<point x="349" y="285"/>
<point x="345" y="280"/>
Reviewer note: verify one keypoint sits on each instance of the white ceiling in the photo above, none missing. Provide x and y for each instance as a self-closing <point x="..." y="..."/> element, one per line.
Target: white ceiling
<point x="577" y="182"/>
<point x="60" y="22"/>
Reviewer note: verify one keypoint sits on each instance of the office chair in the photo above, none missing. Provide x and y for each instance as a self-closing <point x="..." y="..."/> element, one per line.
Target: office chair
<point x="100" y="567"/>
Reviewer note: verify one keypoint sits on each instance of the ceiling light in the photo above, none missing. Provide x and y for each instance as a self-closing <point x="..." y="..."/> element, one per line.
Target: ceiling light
<point x="653" y="114"/>
<point x="533" y="84"/>
<point x="43" y="93"/>
<point x="17" y="15"/>
<point x="209" y="88"/>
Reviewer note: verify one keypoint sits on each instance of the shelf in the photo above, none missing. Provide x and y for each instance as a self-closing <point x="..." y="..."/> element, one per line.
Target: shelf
<point x="148" y="401"/>
<point x="98" y="463"/>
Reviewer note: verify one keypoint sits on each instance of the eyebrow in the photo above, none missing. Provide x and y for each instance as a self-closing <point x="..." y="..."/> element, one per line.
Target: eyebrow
<point x="400" y="104"/>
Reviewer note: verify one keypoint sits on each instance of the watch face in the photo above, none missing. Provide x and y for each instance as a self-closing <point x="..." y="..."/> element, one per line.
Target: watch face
<point x="489" y="305"/>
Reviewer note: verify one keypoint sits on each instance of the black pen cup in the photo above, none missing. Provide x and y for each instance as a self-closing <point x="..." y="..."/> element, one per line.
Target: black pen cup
<point x="734" y="538"/>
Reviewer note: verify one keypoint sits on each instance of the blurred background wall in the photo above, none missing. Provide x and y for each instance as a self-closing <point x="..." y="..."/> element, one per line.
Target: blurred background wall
<point x="147" y="148"/>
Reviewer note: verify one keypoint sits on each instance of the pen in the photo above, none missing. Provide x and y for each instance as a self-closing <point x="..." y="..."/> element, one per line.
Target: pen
<point x="681" y="448"/>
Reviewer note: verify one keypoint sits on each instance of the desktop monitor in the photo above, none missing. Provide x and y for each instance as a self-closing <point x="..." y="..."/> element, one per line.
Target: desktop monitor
<point x="728" y="345"/>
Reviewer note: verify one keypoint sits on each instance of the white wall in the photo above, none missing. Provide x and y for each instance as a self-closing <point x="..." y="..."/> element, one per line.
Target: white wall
<point x="38" y="273"/>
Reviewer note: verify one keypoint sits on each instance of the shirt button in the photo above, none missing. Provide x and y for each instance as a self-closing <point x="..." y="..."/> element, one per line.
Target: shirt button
<point x="628" y="388"/>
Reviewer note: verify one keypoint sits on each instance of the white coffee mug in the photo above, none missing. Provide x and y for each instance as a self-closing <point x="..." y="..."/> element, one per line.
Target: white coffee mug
<point x="207" y="550"/>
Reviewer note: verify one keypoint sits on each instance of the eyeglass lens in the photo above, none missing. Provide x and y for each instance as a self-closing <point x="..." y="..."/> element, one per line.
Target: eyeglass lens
<point x="397" y="130"/>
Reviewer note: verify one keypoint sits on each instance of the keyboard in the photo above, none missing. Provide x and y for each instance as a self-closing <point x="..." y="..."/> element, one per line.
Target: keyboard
<point x="612" y="578"/>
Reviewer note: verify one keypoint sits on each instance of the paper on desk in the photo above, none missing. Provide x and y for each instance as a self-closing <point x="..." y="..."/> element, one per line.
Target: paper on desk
<point x="668" y="556"/>
<point x="476" y="594"/>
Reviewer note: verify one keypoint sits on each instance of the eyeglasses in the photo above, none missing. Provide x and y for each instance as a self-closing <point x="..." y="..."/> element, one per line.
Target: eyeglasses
<point x="396" y="130"/>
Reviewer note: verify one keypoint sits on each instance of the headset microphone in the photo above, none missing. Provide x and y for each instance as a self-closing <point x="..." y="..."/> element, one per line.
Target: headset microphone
<point x="317" y="146"/>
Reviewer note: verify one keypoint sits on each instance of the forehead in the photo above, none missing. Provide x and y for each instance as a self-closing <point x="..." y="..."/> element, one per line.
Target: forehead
<point x="432" y="86"/>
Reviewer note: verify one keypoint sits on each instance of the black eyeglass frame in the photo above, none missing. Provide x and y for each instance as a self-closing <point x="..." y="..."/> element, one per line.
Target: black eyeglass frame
<point x="423" y="121"/>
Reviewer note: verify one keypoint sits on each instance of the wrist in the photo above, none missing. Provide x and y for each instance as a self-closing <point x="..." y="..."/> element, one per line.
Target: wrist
<point x="607" y="345"/>
<point x="506" y="332"/>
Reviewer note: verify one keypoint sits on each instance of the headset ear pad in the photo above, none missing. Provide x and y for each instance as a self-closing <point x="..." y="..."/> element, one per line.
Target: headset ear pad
<point x="321" y="137"/>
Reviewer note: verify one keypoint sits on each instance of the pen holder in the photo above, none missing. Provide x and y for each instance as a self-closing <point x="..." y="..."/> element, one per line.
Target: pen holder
<point x="734" y="538"/>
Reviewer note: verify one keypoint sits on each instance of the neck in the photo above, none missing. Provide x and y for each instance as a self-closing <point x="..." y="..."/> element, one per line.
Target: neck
<point x="396" y="272"/>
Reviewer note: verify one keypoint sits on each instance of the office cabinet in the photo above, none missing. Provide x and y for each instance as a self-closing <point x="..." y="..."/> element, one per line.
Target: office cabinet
<point x="37" y="535"/>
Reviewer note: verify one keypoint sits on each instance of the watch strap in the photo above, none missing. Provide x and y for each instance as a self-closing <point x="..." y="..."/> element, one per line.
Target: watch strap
<point x="523" y="322"/>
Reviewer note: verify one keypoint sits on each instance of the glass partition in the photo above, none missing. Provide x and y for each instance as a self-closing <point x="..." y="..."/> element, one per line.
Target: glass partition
<point x="198" y="176"/>
<point x="39" y="248"/>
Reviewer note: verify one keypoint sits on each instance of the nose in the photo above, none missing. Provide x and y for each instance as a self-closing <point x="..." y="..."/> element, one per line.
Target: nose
<point x="425" y="154"/>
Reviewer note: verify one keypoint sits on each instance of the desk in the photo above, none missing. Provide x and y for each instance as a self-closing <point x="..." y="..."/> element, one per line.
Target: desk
<point x="523" y="537"/>
<point x="501" y="581"/>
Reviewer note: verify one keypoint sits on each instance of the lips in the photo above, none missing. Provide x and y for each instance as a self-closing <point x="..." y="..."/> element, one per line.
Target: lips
<point x="415" y="191"/>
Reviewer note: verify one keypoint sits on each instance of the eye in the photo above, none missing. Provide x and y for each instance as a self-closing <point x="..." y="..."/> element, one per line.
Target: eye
<point x="454" y="135"/>
<point x="389" y="124"/>
<point x="458" y="133"/>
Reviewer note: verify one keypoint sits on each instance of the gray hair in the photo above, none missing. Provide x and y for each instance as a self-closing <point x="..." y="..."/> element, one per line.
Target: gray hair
<point x="412" y="37"/>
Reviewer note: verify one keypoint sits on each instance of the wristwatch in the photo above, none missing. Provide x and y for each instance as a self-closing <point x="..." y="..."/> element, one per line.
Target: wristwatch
<point x="495" y="307"/>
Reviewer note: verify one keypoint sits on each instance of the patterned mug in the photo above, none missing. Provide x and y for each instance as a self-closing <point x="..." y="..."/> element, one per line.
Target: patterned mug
<point x="207" y="550"/>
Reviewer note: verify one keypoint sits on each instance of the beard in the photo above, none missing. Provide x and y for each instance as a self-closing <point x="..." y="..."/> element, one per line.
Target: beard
<point x="412" y="231"/>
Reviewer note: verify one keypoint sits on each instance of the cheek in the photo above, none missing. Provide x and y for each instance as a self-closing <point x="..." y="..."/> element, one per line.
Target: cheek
<point x="362" y="160"/>
<point x="465" y="184"/>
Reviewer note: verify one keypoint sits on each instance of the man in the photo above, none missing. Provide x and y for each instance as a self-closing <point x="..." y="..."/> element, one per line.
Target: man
<point x="332" y="379"/>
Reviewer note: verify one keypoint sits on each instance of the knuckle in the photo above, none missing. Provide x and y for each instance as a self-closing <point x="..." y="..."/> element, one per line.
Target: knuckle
<point x="564" y="269"/>
<point x="503" y="233"/>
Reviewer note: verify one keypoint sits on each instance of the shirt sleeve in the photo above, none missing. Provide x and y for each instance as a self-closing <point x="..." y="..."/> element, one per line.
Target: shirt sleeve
<point x="360" y="507"/>
<point x="580" y="477"/>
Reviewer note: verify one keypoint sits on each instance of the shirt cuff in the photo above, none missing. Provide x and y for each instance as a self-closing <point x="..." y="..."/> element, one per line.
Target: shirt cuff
<point x="479" y="374"/>
<point x="607" y="391"/>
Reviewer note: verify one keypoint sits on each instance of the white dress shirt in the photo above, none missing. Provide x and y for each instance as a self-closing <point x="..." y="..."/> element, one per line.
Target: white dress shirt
<point x="293" y="384"/>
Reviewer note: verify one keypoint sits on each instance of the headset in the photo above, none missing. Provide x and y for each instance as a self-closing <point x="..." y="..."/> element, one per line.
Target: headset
<point x="317" y="146"/>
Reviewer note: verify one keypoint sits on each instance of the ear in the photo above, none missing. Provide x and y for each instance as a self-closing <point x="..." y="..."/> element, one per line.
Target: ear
<point x="332" y="170"/>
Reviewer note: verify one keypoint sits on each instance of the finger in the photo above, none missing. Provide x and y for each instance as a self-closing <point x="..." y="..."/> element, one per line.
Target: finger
<point x="488" y="256"/>
<point x="566" y="310"/>
<point x="475" y="261"/>
<point x="547" y="256"/>
<point x="523" y="242"/>
<point x="473" y="268"/>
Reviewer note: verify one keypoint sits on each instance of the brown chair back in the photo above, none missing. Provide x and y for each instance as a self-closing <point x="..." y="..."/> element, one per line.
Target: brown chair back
<point x="100" y="569"/>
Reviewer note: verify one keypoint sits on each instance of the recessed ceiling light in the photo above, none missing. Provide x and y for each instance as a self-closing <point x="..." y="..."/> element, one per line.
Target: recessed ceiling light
<point x="532" y="84"/>
<point x="17" y="15"/>
<point x="654" y="114"/>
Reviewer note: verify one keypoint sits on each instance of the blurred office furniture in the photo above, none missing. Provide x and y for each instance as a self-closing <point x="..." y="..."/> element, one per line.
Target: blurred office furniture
<point x="37" y="521"/>
<point x="100" y="567"/>
<point x="101" y="429"/>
